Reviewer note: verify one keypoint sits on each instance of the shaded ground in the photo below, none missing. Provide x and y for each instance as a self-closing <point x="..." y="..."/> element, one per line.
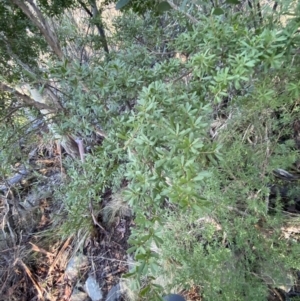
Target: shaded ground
<point x="108" y="254"/>
<point x="33" y="261"/>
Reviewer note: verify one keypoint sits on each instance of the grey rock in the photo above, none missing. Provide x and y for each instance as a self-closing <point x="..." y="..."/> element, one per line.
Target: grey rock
<point x="174" y="297"/>
<point x="23" y="172"/>
<point x="115" y="293"/>
<point x="75" y="265"/>
<point x="79" y="296"/>
<point x="93" y="289"/>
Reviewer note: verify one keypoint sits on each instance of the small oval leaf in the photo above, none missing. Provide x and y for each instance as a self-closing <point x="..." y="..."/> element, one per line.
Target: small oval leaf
<point x="121" y="3"/>
<point x="145" y="290"/>
<point x="218" y="11"/>
<point x="163" y="6"/>
<point x="128" y="275"/>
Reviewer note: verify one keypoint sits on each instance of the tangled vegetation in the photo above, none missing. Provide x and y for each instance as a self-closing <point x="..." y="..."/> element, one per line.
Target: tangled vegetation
<point x="188" y="111"/>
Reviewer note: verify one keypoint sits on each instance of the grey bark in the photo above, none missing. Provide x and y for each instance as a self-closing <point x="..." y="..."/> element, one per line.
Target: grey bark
<point x="26" y="99"/>
<point x="42" y="24"/>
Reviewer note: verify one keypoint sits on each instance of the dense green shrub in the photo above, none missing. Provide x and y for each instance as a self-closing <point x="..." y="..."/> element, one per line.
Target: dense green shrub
<point x="177" y="172"/>
<point x="196" y="118"/>
<point x="200" y="201"/>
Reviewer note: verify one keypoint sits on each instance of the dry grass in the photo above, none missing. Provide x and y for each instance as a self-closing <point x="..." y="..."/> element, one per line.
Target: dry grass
<point x="116" y="209"/>
<point x="31" y="257"/>
<point x="31" y="268"/>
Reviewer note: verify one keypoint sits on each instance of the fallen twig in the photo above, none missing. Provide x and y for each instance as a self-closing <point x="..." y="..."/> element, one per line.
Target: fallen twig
<point x="94" y="219"/>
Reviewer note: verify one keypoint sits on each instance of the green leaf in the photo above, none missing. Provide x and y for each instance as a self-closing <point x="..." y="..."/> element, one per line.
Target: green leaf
<point x="159" y="163"/>
<point x="157" y="286"/>
<point x="121" y="3"/>
<point x="144" y="238"/>
<point x="155" y="255"/>
<point x="232" y="1"/>
<point x="141" y="267"/>
<point x="250" y="63"/>
<point x="128" y="275"/>
<point x="201" y="176"/>
<point x="145" y="290"/>
<point x="212" y="159"/>
<point x="119" y="135"/>
<point x="132" y="249"/>
<point x="158" y="240"/>
<point x="218" y="11"/>
<point x="163" y="7"/>
<point x="141" y="256"/>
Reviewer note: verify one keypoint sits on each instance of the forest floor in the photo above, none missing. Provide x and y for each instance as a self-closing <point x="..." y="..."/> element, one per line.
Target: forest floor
<point x="34" y="260"/>
<point x="36" y="263"/>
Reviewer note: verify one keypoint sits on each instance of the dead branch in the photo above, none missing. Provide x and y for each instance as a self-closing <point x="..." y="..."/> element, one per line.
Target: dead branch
<point x="25" y="98"/>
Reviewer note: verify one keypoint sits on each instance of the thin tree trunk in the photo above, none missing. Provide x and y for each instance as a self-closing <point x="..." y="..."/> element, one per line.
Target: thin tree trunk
<point x="42" y="24"/>
<point x="94" y="14"/>
<point x="31" y="10"/>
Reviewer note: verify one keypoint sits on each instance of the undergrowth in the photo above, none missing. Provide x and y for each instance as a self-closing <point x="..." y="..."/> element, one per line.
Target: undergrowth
<point x="196" y="120"/>
<point x="197" y="141"/>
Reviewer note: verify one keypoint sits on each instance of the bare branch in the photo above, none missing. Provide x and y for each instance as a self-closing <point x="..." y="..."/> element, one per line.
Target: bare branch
<point x="94" y="14"/>
<point x="190" y="17"/>
<point x="16" y="58"/>
<point x="41" y="24"/>
<point x="16" y="178"/>
<point x="85" y="8"/>
<point x="26" y="99"/>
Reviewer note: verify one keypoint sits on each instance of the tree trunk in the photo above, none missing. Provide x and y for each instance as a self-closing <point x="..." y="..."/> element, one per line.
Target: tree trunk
<point x="95" y="14"/>
<point x="47" y="105"/>
<point x="41" y="23"/>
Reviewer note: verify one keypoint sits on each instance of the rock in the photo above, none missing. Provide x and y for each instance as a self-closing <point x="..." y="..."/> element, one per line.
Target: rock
<point x="174" y="297"/>
<point x="79" y="296"/>
<point x="93" y="289"/>
<point x="75" y="265"/>
<point x="115" y="293"/>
